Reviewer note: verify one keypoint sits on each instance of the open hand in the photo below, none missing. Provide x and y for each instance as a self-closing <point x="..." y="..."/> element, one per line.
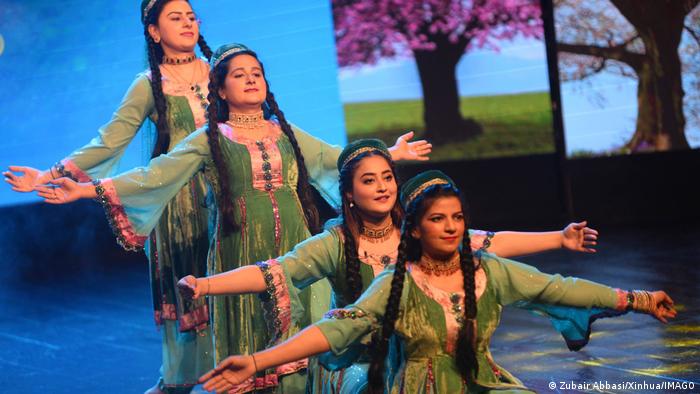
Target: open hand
<point x="579" y="238"/>
<point x="416" y="150"/>
<point x="231" y="372"/>
<point x="662" y="306"/>
<point x="28" y="180"/>
<point x="60" y="191"/>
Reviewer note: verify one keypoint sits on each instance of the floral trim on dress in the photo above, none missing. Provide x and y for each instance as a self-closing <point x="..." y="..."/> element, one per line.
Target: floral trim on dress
<point x="67" y="168"/>
<point x="118" y="220"/>
<point x="276" y="303"/>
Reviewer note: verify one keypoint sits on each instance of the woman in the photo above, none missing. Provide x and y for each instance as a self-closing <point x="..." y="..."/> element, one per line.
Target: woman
<point x="261" y="170"/>
<point x="352" y="251"/>
<point x="172" y="94"/>
<point x="442" y="335"/>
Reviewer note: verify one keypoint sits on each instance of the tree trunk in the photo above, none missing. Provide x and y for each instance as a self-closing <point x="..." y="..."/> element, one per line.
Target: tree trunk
<point x="441" y="112"/>
<point x="660" y="120"/>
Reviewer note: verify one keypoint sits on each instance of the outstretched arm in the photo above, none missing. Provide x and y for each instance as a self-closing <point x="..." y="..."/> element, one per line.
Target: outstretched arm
<point x="243" y="280"/>
<point x="311" y="260"/>
<point x="236" y="369"/>
<point x="576" y="237"/>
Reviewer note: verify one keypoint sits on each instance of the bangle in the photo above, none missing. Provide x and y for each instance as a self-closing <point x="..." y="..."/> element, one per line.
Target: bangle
<point x="254" y="362"/>
<point x="630" y="300"/>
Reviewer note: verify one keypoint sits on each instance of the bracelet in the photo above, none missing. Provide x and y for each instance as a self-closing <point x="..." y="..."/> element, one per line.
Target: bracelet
<point x="630" y="300"/>
<point x="254" y="362"/>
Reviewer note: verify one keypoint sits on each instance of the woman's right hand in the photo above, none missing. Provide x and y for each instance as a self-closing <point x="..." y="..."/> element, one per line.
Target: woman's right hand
<point x="29" y="179"/>
<point x="65" y="190"/>
<point x="190" y="288"/>
<point x="231" y="372"/>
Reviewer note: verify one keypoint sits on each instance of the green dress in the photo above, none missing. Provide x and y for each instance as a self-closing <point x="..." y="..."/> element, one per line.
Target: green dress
<point x="179" y="243"/>
<point x="323" y="257"/>
<point x="264" y="177"/>
<point x="427" y="326"/>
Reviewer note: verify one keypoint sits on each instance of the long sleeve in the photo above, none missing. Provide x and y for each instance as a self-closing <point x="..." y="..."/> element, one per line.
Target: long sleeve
<point x="321" y="163"/>
<point x="572" y="305"/>
<point x="353" y="324"/>
<point x="100" y="157"/>
<point x="134" y="200"/>
<point x="311" y="260"/>
<point x="520" y="282"/>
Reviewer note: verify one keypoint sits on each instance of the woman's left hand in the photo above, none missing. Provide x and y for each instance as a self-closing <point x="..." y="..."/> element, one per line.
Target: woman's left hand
<point x="231" y="372"/>
<point x="415" y="150"/>
<point x="579" y="238"/>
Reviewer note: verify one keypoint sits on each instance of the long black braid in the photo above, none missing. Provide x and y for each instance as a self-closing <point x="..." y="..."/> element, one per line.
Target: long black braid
<point x="380" y="340"/>
<point x="303" y="185"/>
<point x="352" y="223"/>
<point x="466" y="353"/>
<point x="410" y="250"/>
<point x="218" y="112"/>
<point x="155" y="58"/>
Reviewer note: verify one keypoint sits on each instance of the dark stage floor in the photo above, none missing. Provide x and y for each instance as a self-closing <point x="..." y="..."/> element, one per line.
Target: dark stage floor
<point x="91" y="330"/>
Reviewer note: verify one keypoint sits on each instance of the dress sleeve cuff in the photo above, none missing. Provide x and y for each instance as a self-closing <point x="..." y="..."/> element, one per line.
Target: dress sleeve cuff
<point x="276" y="300"/>
<point x="481" y="240"/>
<point x="67" y="168"/>
<point x="116" y="215"/>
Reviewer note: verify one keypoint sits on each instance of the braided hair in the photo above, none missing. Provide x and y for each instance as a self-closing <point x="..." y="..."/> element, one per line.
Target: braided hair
<point x="155" y="58"/>
<point x="218" y="112"/>
<point x="410" y="250"/>
<point x="351" y="224"/>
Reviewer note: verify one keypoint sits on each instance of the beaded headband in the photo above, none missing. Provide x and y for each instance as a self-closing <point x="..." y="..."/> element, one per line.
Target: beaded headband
<point x="227" y="54"/>
<point x="148" y="8"/>
<point x="422" y="188"/>
<point x="361" y="151"/>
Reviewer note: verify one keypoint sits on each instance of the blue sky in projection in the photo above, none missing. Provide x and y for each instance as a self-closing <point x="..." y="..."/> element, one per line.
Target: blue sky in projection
<point x="65" y="67"/>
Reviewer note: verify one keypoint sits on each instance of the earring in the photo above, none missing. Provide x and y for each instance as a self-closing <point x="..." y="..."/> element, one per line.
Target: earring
<point x="352" y="204"/>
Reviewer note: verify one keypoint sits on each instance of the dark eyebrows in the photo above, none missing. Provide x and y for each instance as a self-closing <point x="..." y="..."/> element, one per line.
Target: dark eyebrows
<point x="180" y="13"/>
<point x="243" y="69"/>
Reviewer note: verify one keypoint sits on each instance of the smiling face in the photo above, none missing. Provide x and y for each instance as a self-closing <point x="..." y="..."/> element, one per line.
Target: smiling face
<point x="441" y="227"/>
<point x="374" y="188"/>
<point x="244" y="88"/>
<point x="177" y="30"/>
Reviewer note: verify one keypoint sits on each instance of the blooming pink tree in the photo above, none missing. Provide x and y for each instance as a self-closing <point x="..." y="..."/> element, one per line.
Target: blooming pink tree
<point x="639" y="39"/>
<point x="436" y="33"/>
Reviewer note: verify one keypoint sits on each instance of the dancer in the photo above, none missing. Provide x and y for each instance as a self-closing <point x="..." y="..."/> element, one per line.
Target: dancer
<point x="352" y="251"/>
<point x="172" y="94"/>
<point x="441" y="303"/>
<point x="261" y="170"/>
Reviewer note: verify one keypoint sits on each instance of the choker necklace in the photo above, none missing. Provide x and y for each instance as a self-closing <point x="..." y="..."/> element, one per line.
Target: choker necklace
<point x="179" y="60"/>
<point x="377" y="234"/>
<point x="438" y="267"/>
<point x="246" y="121"/>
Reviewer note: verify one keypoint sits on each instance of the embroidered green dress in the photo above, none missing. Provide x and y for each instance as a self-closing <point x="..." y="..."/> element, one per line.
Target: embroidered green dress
<point x="323" y="257"/>
<point x="263" y="177"/>
<point x="179" y="242"/>
<point x="427" y="325"/>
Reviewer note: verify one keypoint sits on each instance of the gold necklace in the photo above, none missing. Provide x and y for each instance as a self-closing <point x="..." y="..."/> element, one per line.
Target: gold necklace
<point x="438" y="267"/>
<point x="377" y="234"/>
<point x="246" y="121"/>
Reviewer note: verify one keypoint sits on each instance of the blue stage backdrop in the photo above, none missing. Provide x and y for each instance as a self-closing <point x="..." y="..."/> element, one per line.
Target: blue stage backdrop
<point x="64" y="67"/>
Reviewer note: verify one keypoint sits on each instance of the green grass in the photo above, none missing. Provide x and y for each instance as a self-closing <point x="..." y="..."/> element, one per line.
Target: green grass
<point x="518" y="124"/>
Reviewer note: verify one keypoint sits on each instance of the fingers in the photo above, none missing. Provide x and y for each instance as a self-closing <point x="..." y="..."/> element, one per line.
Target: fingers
<point x="59" y="181"/>
<point x="18" y="169"/>
<point x="406" y="136"/>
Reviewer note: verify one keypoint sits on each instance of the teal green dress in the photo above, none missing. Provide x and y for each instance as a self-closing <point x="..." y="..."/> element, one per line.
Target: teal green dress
<point x="428" y="325"/>
<point x="264" y="177"/>
<point x="178" y="244"/>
